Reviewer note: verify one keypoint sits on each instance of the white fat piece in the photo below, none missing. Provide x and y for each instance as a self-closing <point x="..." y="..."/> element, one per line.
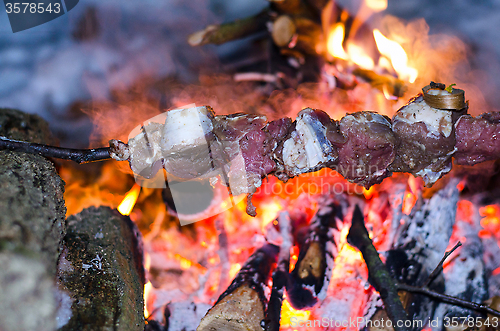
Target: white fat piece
<point x="437" y="121"/>
<point x="308" y="146"/>
<point x="186" y="128"/>
<point x="145" y="147"/>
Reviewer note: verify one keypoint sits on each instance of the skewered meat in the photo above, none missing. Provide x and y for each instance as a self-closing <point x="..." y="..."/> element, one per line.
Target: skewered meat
<point x="478" y="139"/>
<point x="426" y="139"/>
<point x="369" y="149"/>
<point x="364" y="147"/>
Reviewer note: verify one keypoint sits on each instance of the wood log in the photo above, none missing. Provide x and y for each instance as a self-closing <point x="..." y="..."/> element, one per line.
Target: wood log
<point x="309" y="280"/>
<point x="280" y="275"/>
<point x="379" y="276"/>
<point x="101" y="273"/>
<point x="424" y="241"/>
<point x="417" y="251"/>
<point x="241" y="307"/>
<point x="31" y="227"/>
<point x="223" y="33"/>
<point x="384" y="83"/>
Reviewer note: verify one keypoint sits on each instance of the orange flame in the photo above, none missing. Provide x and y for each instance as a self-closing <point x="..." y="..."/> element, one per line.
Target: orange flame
<point x="358" y="55"/>
<point x="287" y="313"/>
<point x="335" y="40"/>
<point x="128" y="203"/>
<point x="395" y="52"/>
<point x="377" y="5"/>
<point x="147" y="289"/>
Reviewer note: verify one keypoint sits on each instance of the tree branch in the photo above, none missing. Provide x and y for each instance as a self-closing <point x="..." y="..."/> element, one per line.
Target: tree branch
<point x="439" y="267"/>
<point x="448" y="299"/>
<point x="379" y="276"/>
<point x="220" y="34"/>
<point x="77" y="155"/>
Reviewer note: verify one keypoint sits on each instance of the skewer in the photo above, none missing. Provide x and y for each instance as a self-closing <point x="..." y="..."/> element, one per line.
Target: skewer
<point x="77" y="155"/>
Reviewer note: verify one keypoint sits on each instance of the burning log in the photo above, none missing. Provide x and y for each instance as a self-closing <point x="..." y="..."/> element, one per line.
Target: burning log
<point x="101" y="274"/>
<point x="385" y="83"/>
<point x="280" y="276"/>
<point x="31" y="227"/>
<point x="311" y="276"/>
<point x="420" y="247"/>
<point x="379" y="275"/>
<point x="242" y="305"/>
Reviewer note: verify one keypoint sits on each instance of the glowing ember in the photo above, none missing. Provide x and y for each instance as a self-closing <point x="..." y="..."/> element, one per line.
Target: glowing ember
<point x="288" y="314"/>
<point x="234" y="270"/>
<point x="408" y="202"/>
<point x="491" y="218"/>
<point x="128" y="203"/>
<point x="270" y="212"/>
<point x="147" y="290"/>
<point x="399" y="60"/>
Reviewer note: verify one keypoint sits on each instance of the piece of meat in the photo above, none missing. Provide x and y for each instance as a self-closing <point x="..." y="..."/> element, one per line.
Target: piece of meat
<point x="186" y="142"/>
<point x="478" y="138"/>
<point x="145" y="150"/>
<point x="308" y="147"/>
<point x="425" y="140"/>
<point x="369" y="149"/>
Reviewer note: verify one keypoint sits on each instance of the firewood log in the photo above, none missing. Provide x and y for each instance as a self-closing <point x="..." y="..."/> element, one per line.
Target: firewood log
<point x="280" y="275"/>
<point x="241" y="307"/>
<point x="309" y="280"/>
<point x="101" y="273"/>
<point x="31" y="227"/>
<point x="418" y="249"/>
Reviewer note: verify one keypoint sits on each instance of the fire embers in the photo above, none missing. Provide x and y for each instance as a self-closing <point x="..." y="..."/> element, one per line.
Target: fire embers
<point x="426" y="139"/>
<point x="369" y="149"/>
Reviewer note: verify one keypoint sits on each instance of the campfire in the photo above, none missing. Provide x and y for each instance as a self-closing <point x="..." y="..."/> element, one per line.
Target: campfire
<point x="350" y="185"/>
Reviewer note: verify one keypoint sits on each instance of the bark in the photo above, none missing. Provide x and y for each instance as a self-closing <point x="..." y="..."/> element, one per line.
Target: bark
<point x="241" y="307"/>
<point x="311" y="276"/>
<point x="379" y="276"/>
<point x="32" y="225"/>
<point x="101" y="273"/>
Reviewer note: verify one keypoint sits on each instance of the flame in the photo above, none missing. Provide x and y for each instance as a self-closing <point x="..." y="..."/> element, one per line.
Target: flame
<point x="184" y="263"/>
<point x="234" y="270"/>
<point x="376" y="5"/>
<point x="358" y="55"/>
<point x="287" y="313"/>
<point x="147" y="290"/>
<point x="128" y="203"/>
<point x="335" y="40"/>
<point x="393" y="51"/>
<point x="270" y="212"/>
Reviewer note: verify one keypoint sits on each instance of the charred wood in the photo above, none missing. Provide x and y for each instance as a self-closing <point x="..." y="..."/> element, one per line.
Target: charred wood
<point x="32" y="226"/>
<point x="242" y="305"/>
<point x="466" y="280"/>
<point x="311" y="275"/>
<point x="420" y="247"/>
<point x="379" y="276"/>
<point x="101" y="274"/>
<point x="280" y="276"/>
